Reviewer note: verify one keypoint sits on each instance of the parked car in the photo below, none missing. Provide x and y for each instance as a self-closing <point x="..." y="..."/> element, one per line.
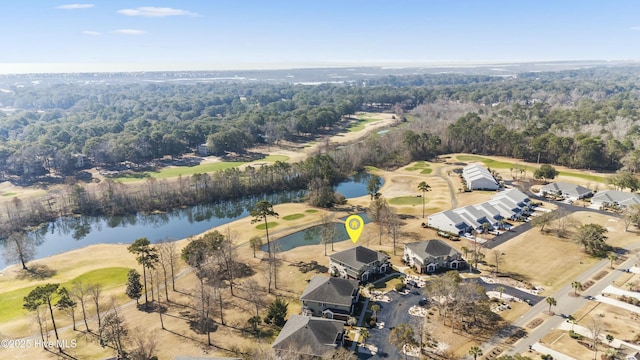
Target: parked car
<point x="422" y="302"/>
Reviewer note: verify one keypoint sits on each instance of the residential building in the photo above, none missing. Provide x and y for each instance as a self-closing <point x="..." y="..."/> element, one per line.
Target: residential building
<point x="432" y="255"/>
<point x="358" y="263"/>
<point x="566" y="190"/>
<point x="203" y="150"/>
<point x="448" y="221"/>
<point x="81" y="160"/>
<point x="614" y="198"/>
<point x="311" y="336"/>
<point x="479" y="178"/>
<point x="508" y="204"/>
<point x="330" y="297"/>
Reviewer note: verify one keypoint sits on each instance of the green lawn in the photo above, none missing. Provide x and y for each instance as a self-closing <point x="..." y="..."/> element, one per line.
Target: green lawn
<point x="271" y="225"/>
<point x="311" y="211"/>
<point x="407" y="200"/>
<point x="9" y="194"/>
<point x="11" y="302"/>
<point x="190" y="170"/>
<point x="495" y="164"/>
<point x="421" y="166"/>
<point x="293" y="217"/>
<point x="360" y="123"/>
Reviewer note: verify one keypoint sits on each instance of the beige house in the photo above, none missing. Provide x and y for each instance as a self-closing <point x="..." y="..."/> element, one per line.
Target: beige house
<point x="432" y="255"/>
<point x="330" y="297"/>
<point x="359" y="263"/>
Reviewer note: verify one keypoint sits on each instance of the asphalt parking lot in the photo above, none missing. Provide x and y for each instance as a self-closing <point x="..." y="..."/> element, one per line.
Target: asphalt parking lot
<point x="396" y="312"/>
<point x="391" y="314"/>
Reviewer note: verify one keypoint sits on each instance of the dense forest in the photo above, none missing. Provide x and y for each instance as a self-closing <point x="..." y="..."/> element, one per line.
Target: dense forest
<point x="584" y="118"/>
<point x="579" y="118"/>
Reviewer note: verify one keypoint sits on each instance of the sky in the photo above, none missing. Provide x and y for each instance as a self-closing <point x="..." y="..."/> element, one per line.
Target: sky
<point x="114" y="35"/>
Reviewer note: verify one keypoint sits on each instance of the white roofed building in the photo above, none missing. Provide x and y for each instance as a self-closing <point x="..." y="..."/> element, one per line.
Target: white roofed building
<point x="509" y="204"/>
<point x="566" y="190"/>
<point x="614" y="198"/>
<point x="479" y="178"/>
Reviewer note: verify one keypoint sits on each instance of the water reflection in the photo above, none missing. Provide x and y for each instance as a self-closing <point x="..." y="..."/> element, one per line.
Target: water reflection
<point x="312" y="236"/>
<point x="72" y="232"/>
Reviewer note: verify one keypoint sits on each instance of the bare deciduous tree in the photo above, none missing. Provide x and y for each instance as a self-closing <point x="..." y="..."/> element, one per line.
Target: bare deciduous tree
<point x="595" y="327"/>
<point x="19" y="247"/>
<point x="167" y="257"/>
<point x="564" y="222"/>
<point x="80" y="292"/>
<point x="145" y="344"/>
<point x="255" y="294"/>
<point x="95" y="293"/>
<point x="114" y="331"/>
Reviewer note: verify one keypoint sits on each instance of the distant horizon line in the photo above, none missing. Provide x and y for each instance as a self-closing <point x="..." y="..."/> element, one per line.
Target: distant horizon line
<point x="123" y="67"/>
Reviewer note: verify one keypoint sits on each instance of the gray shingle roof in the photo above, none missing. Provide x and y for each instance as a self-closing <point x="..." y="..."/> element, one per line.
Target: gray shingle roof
<point x="435" y="248"/>
<point x="358" y="256"/>
<point x="566" y="188"/>
<point x="315" y="335"/>
<point x="614" y="196"/>
<point x="330" y="290"/>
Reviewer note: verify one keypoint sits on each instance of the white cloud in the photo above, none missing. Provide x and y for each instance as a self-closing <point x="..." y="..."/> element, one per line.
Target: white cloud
<point x="150" y="11"/>
<point x="90" y="33"/>
<point x="75" y="6"/>
<point x="129" y="32"/>
<point x="635" y="28"/>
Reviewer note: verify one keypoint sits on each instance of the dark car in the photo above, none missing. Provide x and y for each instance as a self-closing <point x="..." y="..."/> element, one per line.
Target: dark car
<point x="422" y="302"/>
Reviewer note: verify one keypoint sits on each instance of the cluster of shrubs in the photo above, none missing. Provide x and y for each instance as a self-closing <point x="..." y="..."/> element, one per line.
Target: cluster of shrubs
<point x="575" y="335"/>
<point x="630" y="300"/>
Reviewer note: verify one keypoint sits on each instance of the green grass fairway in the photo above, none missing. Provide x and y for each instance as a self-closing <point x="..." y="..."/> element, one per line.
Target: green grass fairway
<point x="494" y="164"/>
<point x="421" y="166"/>
<point x="293" y="217"/>
<point x="407" y="200"/>
<point x="190" y="170"/>
<point x="9" y="194"/>
<point x="311" y="211"/>
<point x="11" y="302"/>
<point x="271" y="225"/>
<point x="360" y="123"/>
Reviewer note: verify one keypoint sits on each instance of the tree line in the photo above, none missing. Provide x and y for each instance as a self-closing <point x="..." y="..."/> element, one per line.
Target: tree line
<point x="521" y="116"/>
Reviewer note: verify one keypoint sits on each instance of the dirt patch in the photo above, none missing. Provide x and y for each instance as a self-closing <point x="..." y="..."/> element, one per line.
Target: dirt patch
<point x="534" y="323"/>
<point x="312" y="265"/>
<point x="600" y="275"/>
<point x="519" y="334"/>
<point x="587" y="284"/>
<point x="493" y="353"/>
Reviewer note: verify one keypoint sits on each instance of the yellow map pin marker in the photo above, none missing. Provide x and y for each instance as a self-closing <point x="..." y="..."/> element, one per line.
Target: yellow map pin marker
<point x="354" y="225"/>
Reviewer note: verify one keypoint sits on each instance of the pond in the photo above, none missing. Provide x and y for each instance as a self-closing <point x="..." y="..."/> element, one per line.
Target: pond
<point x="311" y="236"/>
<point x="69" y="233"/>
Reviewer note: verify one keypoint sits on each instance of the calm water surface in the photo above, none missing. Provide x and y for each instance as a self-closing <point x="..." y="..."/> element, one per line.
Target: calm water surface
<point x="69" y="233"/>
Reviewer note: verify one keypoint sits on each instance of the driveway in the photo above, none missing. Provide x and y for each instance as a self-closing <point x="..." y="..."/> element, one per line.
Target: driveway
<point x="510" y="290"/>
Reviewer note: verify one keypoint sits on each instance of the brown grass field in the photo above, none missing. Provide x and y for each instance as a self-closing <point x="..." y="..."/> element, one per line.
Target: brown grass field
<point x="534" y="256"/>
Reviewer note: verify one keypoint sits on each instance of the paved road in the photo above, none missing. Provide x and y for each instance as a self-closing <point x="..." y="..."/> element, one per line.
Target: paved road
<point x="452" y="191"/>
<point x="566" y="304"/>
<point x="533" y="299"/>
